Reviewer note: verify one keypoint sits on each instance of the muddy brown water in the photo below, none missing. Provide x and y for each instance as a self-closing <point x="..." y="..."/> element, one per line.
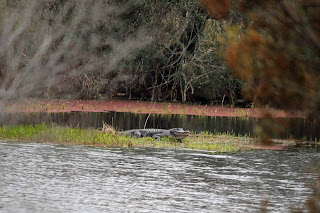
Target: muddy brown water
<point x="297" y="128"/>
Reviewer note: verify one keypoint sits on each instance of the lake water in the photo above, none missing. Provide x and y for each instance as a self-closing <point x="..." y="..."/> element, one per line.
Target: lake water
<point x="55" y="178"/>
<point x="294" y="127"/>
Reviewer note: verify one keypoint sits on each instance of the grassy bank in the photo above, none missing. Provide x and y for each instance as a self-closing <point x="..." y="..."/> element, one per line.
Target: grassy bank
<point x="141" y="107"/>
<point x="77" y="136"/>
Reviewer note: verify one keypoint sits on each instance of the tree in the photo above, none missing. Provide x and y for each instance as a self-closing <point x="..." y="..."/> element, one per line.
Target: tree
<point x="72" y="45"/>
<point x="184" y="58"/>
<point x="278" y="55"/>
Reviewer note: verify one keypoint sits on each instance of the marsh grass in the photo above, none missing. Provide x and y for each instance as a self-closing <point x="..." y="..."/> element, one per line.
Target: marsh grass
<point x="61" y="135"/>
<point x="36" y="106"/>
<point x="78" y="136"/>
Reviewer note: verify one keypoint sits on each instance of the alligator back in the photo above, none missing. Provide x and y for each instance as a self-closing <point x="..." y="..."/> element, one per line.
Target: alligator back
<point x="143" y="132"/>
<point x="177" y="133"/>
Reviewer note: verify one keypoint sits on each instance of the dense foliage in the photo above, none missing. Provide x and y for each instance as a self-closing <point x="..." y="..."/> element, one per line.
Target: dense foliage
<point x="62" y="48"/>
<point x="278" y="55"/>
<point x="163" y="50"/>
<point x="183" y="62"/>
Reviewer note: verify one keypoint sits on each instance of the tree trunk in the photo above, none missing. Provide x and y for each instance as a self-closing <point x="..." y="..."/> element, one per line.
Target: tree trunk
<point x="184" y="96"/>
<point x="223" y="100"/>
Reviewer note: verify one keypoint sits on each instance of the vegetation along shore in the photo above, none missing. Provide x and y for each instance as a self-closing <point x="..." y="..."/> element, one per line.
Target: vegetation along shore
<point x="145" y="107"/>
<point x="205" y="141"/>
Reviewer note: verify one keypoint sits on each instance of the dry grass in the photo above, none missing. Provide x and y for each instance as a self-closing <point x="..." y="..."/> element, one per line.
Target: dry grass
<point x="106" y="128"/>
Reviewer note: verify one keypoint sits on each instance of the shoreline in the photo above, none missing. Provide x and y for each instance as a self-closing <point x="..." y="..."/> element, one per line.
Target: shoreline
<point x="143" y="107"/>
<point x="220" y="143"/>
<point x="140" y="107"/>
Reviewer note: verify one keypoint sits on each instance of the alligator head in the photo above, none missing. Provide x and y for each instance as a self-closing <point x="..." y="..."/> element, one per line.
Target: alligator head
<point x="179" y="133"/>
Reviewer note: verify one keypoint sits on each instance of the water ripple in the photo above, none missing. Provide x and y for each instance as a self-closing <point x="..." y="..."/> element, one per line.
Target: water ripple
<point x="55" y="178"/>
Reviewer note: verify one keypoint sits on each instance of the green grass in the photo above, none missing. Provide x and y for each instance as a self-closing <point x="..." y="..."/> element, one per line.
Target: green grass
<point x="78" y="136"/>
<point x="61" y="135"/>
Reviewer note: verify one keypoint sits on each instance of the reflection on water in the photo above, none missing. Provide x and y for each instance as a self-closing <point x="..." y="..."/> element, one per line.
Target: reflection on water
<point x="55" y="178"/>
<point x="296" y="127"/>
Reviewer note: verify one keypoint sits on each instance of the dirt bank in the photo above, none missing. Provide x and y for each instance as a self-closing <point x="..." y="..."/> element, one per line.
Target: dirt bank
<point x="135" y="107"/>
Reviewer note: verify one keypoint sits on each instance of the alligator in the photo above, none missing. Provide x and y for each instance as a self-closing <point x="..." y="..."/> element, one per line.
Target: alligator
<point x="177" y="133"/>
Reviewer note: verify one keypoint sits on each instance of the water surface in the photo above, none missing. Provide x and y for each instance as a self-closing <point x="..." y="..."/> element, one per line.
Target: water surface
<point x="55" y="178"/>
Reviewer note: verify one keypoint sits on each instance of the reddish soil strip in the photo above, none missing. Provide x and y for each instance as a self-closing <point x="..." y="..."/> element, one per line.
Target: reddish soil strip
<point x="135" y="107"/>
